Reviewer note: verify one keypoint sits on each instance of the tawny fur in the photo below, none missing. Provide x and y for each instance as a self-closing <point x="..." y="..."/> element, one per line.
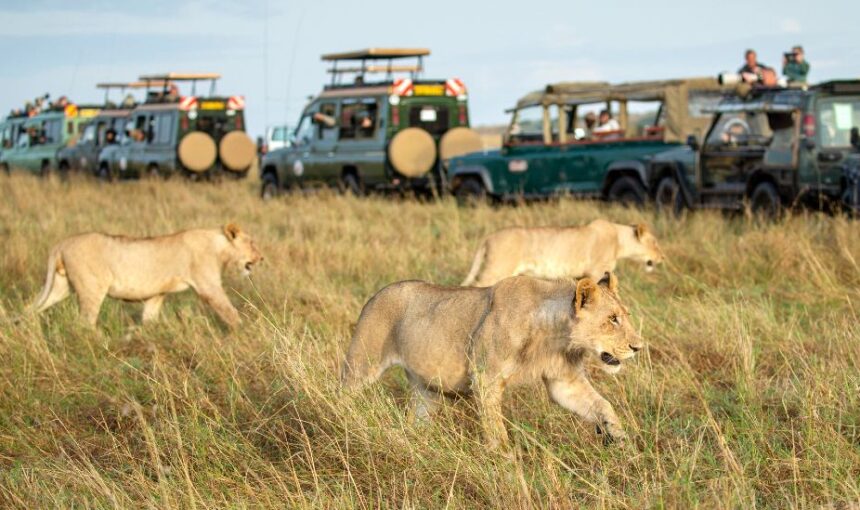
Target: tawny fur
<point x="146" y="269"/>
<point x="561" y="252"/>
<point x="479" y="340"/>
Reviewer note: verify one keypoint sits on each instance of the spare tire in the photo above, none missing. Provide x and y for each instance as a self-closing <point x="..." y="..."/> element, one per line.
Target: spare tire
<point x="237" y="151"/>
<point x="197" y="151"/>
<point x="459" y="141"/>
<point x="412" y="152"/>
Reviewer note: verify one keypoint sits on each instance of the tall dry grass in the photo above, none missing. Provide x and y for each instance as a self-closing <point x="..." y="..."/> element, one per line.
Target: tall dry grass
<point x="747" y="396"/>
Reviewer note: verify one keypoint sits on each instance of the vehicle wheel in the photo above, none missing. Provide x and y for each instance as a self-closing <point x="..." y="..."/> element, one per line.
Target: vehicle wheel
<point x="667" y="197"/>
<point x="470" y="192"/>
<point x="765" y="201"/>
<point x="628" y="191"/>
<point x="350" y="185"/>
<point x="45" y="169"/>
<point x="104" y="173"/>
<point x="153" y="172"/>
<point x="4" y="167"/>
<point x="270" y="187"/>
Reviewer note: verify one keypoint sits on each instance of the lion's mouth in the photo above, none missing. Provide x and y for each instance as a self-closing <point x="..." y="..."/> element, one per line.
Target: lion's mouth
<point x="609" y="359"/>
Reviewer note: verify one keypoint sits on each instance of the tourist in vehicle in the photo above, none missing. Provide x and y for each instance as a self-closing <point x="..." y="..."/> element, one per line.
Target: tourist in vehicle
<point x="753" y="67"/>
<point x="590" y="120"/>
<point x="794" y="65"/>
<point x="110" y="136"/>
<point x="607" y="125"/>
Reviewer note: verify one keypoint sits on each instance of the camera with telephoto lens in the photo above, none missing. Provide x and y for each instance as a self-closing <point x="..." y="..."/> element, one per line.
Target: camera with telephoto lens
<point x="790" y="56"/>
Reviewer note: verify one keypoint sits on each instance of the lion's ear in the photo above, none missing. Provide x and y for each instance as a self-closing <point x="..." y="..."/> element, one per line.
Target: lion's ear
<point x="640" y="229"/>
<point x="231" y="230"/>
<point x="610" y="281"/>
<point x="586" y="294"/>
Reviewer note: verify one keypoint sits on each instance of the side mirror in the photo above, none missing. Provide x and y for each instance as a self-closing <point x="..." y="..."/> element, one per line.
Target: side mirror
<point x="809" y="144"/>
<point x="855" y="137"/>
<point x="693" y="142"/>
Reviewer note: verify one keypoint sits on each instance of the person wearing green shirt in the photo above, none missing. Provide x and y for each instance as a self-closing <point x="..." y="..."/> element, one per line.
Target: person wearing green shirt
<point x="794" y="66"/>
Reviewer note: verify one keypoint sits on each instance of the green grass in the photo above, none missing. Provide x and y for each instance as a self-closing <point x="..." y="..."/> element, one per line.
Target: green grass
<point x="748" y="394"/>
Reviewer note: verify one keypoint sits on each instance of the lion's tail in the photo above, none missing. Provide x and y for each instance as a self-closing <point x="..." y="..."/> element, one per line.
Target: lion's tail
<point x="477" y="264"/>
<point x="56" y="284"/>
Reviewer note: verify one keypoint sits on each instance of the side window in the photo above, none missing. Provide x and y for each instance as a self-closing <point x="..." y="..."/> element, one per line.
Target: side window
<point x="305" y="131"/>
<point x="327" y="124"/>
<point x="358" y="119"/>
<point x="89" y="135"/>
<point x="527" y="125"/>
<point x="163" y="128"/>
<point x="138" y="131"/>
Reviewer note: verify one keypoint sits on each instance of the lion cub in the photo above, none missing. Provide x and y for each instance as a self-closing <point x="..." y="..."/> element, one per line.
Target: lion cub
<point x="562" y="252"/>
<point x="147" y="269"/>
<point x="480" y="340"/>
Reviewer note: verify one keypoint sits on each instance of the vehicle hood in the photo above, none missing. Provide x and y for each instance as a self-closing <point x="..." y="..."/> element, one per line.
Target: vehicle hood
<point x="474" y="158"/>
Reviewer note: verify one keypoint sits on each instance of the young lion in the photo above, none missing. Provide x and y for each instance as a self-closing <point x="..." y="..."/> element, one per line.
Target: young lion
<point x="147" y="269"/>
<point x="562" y="252"/>
<point x="479" y="340"/>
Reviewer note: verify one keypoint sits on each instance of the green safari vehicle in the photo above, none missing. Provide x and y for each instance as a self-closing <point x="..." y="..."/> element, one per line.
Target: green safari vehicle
<point x="196" y="136"/>
<point x="392" y="133"/>
<point x="550" y="149"/>
<point x="768" y="149"/>
<point x="31" y="143"/>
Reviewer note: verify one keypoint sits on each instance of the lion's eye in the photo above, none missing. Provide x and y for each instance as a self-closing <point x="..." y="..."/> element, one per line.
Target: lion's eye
<point x="614" y="320"/>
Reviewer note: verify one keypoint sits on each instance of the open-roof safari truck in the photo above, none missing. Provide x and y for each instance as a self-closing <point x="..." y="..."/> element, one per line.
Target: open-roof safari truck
<point x="102" y="130"/>
<point x="770" y="148"/>
<point x="376" y="125"/>
<point x="549" y="150"/>
<point x="197" y="136"/>
<point x="31" y="142"/>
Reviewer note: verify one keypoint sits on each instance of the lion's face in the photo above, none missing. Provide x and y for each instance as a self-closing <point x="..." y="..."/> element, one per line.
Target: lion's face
<point x="601" y="324"/>
<point x="647" y="249"/>
<point x="243" y="251"/>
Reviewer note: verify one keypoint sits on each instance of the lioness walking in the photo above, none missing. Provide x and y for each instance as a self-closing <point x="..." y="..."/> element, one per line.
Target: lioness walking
<point x="480" y="340"/>
<point x="562" y="252"/>
<point x="146" y="269"/>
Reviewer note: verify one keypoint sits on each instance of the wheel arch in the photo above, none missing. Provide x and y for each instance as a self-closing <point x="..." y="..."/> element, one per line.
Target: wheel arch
<point x="618" y="169"/>
<point x="471" y="172"/>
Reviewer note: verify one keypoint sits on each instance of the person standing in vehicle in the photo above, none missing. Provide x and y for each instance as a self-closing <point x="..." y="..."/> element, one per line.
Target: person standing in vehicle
<point x="752" y="65"/>
<point x="794" y="65"/>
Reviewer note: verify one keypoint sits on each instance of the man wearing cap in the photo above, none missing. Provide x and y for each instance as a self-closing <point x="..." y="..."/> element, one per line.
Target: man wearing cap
<point x="794" y="65"/>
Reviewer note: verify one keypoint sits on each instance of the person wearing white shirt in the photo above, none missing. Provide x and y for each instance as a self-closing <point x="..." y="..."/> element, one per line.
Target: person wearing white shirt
<point x="607" y="123"/>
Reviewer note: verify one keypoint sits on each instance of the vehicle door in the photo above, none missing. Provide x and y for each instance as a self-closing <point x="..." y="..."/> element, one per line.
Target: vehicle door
<point x="836" y="116"/>
<point x="525" y="154"/>
<point x="301" y="161"/>
<point x="734" y="146"/>
<point x="160" y="150"/>
<point x="19" y="147"/>
<point x="132" y="160"/>
<point x="324" y="146"/>
<point x="85" y="153"/>
<point x="361" y="138"/>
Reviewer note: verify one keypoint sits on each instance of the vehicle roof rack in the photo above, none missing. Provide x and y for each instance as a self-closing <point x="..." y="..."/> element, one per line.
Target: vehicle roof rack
<point x="165" y="80"/>
<point x="374" y="55"/>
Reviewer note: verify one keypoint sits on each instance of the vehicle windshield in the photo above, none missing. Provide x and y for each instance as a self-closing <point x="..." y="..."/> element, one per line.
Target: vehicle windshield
<point x="836" y="117"/>
<point x="741" y="129"/>
<point x="527" y="125"/>
<point x="280" y="134"/>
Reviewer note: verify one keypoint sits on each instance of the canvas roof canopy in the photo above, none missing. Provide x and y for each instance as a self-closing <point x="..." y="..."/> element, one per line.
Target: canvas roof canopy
<point x="674" y="95"/>
<point x="131" y="85"/>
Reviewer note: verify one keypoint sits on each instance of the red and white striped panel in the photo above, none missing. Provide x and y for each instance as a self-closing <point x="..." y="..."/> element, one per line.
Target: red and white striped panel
<point x="455" y="87"/>
<point x="402" y="87"/>
<point x="236" y="103"/>
<point x="187" y="103"/>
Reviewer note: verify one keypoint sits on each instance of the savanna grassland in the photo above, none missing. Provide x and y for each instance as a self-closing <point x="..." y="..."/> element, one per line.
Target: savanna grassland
<point x="748" y="394"/>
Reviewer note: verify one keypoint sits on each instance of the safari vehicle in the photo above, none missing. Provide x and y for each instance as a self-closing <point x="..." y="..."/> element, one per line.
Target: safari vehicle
<point x="100" y="131"/>
<point x="548" y="151"/>
<point x="31" y="143"/>
<point x="197" y="136"/>
<point x="770" y="148"/>
<point x="358" y="134"/>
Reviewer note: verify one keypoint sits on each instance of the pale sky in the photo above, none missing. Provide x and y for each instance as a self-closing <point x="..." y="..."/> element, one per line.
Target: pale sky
<point x="268" y="50"/>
